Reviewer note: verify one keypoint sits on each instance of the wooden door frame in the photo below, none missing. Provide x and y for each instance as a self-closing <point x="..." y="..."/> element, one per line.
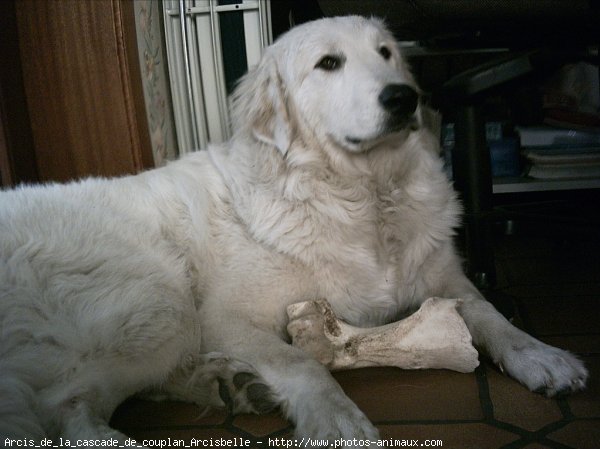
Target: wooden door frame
<point x="17" y="153"/>
<point x="17" y="147"/>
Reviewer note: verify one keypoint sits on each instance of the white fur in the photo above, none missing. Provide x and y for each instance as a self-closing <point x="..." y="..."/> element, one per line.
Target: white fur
<point x="109" y="287"/>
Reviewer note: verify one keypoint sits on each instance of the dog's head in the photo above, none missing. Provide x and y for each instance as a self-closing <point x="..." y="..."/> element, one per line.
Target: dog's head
<point x="341" y="79"/>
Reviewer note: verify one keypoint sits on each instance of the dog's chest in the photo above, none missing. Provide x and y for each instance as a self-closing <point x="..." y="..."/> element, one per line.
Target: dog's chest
<point x="396" y="223"/>
<point x="379" y="274"/>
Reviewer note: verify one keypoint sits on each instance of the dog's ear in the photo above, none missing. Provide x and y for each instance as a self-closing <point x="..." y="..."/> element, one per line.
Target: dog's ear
<point x="259" y="106"/>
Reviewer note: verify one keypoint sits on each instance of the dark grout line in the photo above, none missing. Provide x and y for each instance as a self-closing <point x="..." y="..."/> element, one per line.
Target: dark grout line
<point x="565" y="409"/>
<point x="524" y="442"/>
<point x="427" y="422"/>
<point x="485" y="400"/>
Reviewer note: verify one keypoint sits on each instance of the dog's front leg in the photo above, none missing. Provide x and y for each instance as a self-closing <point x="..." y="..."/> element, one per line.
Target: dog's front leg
<point x="541" y="367"/>
<point x="305" y="390"/>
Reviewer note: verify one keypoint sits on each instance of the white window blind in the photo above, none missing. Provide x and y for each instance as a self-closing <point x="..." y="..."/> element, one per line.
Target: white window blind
<point x="207" y="52"/>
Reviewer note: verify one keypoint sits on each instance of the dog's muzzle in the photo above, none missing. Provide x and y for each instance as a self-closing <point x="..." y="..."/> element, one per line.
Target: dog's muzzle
<point x="400" y="101"/>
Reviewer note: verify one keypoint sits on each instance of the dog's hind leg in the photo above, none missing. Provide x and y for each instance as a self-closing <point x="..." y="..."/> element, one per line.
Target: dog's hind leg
<point x="75" y="364"/>
<point x="80" y="406"/>
<point x="81" y="423"/>
<point x="17" y="416"/>
<point x="215" y="381"/>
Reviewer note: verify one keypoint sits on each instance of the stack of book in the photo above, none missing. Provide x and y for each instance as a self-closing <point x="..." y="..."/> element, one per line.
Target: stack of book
<point x="557" y="153"/>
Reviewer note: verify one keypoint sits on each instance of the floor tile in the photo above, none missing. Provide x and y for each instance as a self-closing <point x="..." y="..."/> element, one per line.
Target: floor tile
<point x="261" y="426"/>
<point x="584" y="434"/>
<point x="390" y="394"/>
<point x="586" y="404"/>
<point x="167" y="437"/>
<point x="516" y="405"/>
<point x="460" y="435"/>
<point x="136" y="413"/>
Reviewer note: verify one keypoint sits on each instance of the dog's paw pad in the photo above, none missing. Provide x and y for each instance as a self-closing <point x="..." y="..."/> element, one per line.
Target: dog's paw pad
<point x="260" y="397"/>
<point x="241" y="379"/>
<point x="245" y="393"/>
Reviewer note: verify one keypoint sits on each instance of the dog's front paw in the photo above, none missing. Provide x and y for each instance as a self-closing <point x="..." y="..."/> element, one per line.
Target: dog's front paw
<point x="543" y="368"/>
<point x="335" y="419"/>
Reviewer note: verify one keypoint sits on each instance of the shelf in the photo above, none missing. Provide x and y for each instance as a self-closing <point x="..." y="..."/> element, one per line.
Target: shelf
<point x="522" y="184"/>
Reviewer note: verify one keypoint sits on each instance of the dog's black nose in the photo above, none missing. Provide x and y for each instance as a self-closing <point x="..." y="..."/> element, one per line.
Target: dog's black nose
<point x="399" y="99"/>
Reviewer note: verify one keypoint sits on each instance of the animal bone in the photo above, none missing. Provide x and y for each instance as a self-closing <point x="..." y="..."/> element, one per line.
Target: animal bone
<point x="435" y="336"/>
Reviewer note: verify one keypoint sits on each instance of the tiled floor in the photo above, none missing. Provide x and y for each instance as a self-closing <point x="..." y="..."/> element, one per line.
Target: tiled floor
<point x="555" y="287"/>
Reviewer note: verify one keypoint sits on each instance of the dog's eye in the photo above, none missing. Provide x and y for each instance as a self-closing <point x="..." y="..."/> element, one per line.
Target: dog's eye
<point x="385" y="52"/>
<point x="329" y="63"/>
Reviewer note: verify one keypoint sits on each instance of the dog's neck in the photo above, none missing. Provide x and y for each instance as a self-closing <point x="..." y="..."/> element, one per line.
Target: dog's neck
<point x="300" y="189"/>
<point x="309" y="188"/>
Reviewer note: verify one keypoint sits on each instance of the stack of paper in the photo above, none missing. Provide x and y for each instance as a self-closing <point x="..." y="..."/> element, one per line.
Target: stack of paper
<point x="555" y="153"/>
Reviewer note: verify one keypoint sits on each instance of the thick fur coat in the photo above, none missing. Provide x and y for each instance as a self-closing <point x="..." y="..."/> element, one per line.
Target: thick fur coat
<point x="175" y="282"/>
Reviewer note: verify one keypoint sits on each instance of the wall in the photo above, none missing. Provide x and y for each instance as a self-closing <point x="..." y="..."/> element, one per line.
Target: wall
<point x="154" y="67"/>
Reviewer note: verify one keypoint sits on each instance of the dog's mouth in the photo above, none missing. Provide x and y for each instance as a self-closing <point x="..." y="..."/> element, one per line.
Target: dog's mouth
<point x="354" y="140"/>
<point x="409" y="125"/>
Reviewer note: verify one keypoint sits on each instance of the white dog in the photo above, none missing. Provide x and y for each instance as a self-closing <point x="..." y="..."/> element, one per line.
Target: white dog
<point x="178" y="279"/>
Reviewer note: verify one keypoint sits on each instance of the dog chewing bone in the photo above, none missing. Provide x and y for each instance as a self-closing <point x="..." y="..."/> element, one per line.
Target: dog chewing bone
<point x="435" y="336"/>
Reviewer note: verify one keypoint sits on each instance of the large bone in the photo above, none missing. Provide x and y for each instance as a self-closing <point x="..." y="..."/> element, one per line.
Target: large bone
<point x="435" y="336"/>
